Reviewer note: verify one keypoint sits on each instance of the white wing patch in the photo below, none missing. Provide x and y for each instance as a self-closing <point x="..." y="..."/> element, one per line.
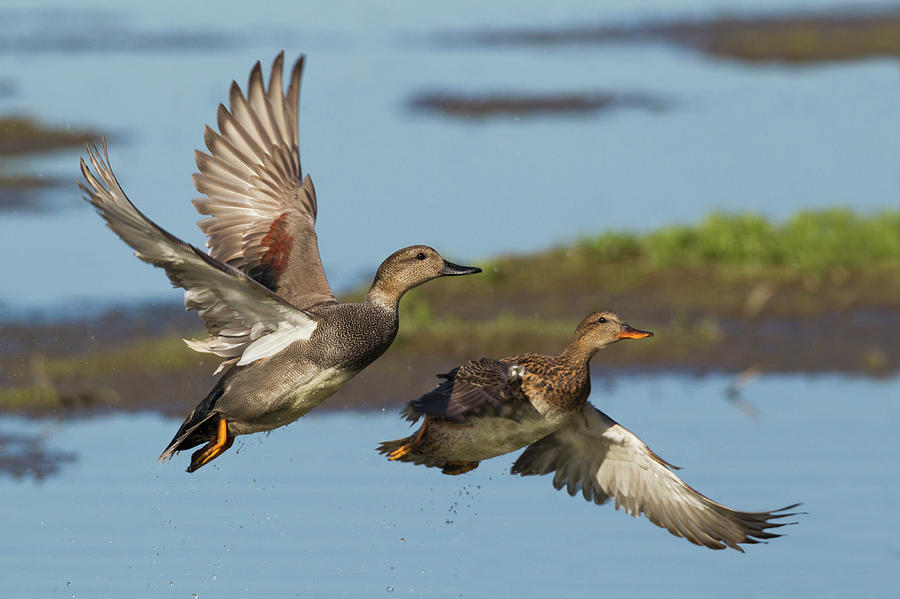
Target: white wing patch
<point x="274" y="342"/>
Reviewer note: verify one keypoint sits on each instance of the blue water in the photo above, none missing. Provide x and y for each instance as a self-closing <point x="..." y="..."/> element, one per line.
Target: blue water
<point x="771" y="139"/>
<point x="312" y="511"/>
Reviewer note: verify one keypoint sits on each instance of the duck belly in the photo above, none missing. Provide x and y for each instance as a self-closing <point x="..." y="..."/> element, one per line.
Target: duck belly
<point x="481" y="438"/>
<point x="286" y="401"/>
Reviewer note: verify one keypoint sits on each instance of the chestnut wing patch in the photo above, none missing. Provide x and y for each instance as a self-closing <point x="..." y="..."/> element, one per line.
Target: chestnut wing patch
<point x="274" y="261"/>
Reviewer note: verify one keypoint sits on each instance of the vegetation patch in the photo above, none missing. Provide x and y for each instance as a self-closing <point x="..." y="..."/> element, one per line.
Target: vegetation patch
<point x="20" y="136"/>
<point x="521" y="104"/>
<point x="794" y="39"/>
<point x="23" y="135"/>
<point x="811" y="243"/>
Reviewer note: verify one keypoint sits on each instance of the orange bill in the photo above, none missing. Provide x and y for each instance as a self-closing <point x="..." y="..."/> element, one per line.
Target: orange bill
<point x="629" y="333"/>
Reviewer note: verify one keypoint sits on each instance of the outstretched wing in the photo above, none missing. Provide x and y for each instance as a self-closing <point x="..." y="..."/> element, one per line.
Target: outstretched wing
<point x="475" y="388"/>
<point x="605" y="460"/>
<point x="262" y="213"/>
<point x="245" y="321"/>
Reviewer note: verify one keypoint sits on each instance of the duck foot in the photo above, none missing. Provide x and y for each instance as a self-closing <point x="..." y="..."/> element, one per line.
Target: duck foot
<point x="214" y="448"/>
<point x="408" y="446"/>
<point x="400" y="452"/>
<point x="454" y="468"/>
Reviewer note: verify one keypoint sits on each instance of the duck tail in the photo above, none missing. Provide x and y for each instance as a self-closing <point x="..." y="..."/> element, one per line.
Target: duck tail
<point x="403" y="449"/>
<point x="398" y="449"/>
<point x="191" y="434"/>
<point x="199" y="426"/>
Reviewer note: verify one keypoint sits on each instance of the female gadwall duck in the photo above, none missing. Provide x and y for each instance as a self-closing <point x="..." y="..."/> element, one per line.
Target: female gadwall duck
<point x="261" y="291"/>
<point x="488" y="407"/>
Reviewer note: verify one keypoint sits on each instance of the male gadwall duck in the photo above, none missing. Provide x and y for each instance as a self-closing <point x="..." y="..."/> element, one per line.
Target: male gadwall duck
<point x="488" y="407"/>
<point x="261" y="291"/>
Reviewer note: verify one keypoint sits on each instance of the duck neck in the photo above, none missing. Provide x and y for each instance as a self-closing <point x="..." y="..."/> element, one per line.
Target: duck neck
<point x="384" y="294"/>
<point x="578" y="354"/>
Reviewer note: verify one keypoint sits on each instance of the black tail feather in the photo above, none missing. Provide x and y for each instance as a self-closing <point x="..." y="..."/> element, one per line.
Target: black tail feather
<point x="199" y="427"/>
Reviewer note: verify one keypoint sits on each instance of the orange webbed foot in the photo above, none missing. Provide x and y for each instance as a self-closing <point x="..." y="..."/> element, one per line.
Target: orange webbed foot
<point x="214" y="448"/>
<point x="408" y="446"/>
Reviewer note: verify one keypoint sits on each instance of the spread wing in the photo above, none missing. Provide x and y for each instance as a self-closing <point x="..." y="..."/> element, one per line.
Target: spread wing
<point x="245" y="321"/>
<point x="604" y="460"/>
<point x="262" y="213"/>
<point x="476" y="388"/>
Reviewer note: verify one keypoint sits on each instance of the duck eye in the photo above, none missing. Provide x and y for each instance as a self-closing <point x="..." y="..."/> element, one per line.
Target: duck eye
<point x="601" y="320"/>
<point x="420" y="256"/>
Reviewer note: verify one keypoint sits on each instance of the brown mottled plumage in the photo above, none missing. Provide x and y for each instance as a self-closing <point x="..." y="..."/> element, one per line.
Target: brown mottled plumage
<point x="487" y="407"/>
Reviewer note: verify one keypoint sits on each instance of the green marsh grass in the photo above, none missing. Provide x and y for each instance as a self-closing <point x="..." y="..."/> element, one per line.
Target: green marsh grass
<point x="809" y="243"/>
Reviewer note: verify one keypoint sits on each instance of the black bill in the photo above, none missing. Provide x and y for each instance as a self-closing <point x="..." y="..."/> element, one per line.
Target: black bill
<point x="455" y="269"/>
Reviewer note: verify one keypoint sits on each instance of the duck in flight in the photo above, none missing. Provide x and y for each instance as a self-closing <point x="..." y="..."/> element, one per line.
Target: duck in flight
<point x="287" y="343"/>
<point x="487" y="407"/>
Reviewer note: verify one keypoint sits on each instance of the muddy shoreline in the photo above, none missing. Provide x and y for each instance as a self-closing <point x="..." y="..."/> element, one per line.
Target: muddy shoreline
<point x="862" y="341"/>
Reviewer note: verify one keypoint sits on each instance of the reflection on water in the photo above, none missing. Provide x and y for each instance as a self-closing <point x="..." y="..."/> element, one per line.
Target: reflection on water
<point x="312" y="510"/>
<point x="26" y="455"/>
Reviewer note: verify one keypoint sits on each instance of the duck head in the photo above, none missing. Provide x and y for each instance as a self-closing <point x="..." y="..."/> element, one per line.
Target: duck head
<point x="410" y="267"/>
<point x="601" y="329"/>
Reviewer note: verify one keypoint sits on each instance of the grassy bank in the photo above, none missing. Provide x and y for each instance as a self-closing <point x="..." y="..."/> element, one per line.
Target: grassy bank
<point x="820" y="292"/>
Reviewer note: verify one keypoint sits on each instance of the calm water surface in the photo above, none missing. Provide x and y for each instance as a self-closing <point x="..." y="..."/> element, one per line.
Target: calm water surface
<point x="770" y="139"/>
<point x="312" y="511"/>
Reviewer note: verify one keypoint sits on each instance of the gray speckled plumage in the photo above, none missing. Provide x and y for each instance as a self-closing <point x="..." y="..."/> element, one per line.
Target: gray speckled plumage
<point x="477" y="414"/>
<point x="259" y="397"/>
<point x="287" y="343"/>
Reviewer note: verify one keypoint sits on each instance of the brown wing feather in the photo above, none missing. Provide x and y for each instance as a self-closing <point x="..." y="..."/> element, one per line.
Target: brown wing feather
<point x="262" y="211"/>
<point x="476" y="388"/>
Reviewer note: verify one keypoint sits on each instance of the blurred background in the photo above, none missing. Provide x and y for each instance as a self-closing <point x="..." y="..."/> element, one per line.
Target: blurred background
<point x="723" y="173"/>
